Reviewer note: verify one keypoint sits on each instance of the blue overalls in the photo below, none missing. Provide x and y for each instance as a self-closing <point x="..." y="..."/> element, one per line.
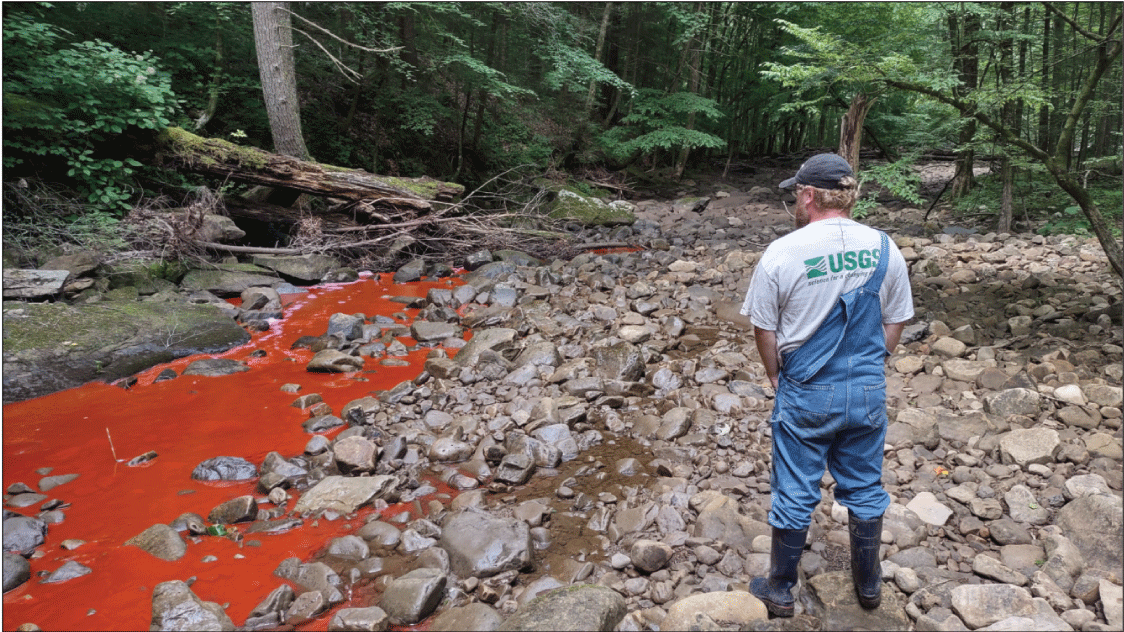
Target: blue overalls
<point x="831" y="407"/>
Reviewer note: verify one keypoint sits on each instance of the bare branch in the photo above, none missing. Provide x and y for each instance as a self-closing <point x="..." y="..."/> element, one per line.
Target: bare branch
<point x="338" y="38"/>
<point x="348" y="73"/>
<point x="1077" y="27"/>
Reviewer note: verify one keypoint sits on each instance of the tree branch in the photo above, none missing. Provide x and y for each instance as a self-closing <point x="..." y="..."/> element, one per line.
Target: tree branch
<point x="348" y="73"/>
<point x="340" y="39"/>
<point x="1077" y="27"/>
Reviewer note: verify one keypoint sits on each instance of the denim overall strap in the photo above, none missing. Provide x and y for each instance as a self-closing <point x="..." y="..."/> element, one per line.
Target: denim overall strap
<point x="830" y="409"/>
<point x="803" y="363"/>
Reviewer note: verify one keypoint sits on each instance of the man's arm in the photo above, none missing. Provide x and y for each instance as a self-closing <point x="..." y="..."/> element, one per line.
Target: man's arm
<point x="893" y="335"/>
<point x="767" y="347"/>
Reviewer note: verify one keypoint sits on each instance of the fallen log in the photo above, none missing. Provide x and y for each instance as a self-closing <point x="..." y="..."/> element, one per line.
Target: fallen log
<point x="361" y="192"/>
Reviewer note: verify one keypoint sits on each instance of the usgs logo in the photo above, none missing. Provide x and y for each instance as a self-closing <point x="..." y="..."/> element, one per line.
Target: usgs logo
<point x="841" y="261"/>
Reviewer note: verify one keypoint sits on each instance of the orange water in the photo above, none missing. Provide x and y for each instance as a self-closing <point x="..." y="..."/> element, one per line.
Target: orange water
<point x="185" y="420"/>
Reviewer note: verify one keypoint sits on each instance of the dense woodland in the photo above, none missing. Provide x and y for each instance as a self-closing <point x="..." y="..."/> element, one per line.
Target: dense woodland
<point x="464" y="91"/>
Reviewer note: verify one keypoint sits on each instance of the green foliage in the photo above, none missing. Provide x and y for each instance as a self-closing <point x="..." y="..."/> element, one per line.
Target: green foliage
<point x="657" y="122"/>
<point x="67" y="104"/>
<point x="898" y="178"/>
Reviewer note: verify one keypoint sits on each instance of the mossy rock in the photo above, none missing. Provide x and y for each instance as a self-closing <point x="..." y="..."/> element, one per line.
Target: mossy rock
<point x="50" y="347"/>
<point x="573" y="207"/>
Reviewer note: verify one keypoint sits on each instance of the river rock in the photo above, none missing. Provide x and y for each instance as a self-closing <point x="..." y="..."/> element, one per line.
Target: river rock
<point x="1024" y="507"/>
<point x="214" y="367"/>
<point x="649" y="555"/>
<point x="176" y="607"/>
<point x="425" y="331"/>
<point x="1026" y="446"/>
<point x="343" y="495"/>
<point x="310" y="268"/>
<point x="987" y="566"/>
<point x="482" y="545"/>
<point x="495" y="339"/>
<point x="48" y="483"/>
<point x="413" y="596"/>
<point x="1013" y="401"/>
<point x="1085" y="485"/>
<point x="735" y="609"/>
<point x="228" y="280"/>
<point x="224" y="468"/>
<point x="719" y="519"/>
<point x="369" y="619"/>
<point x="271" y="611"/>
<point x="929" y="509"/>
<point x="333" y="361"/>
<point x="835" y="604"/>
<point x="474" y="616"/>
<point x="621" y="361"/>
<point x="66" y="572"/>
<point x="23" y="534"/>
<point x="241" y="509"/>
<point x="306" y="606"/>
<point x="161" y="541"/>
<point x="515" y="469"/>
<point x="578" y="607"/>
<point x="380" y="533"/>
<point x="980" y="605"/>
<point x="106" y="341"/>
<point x="355" y="455"/>
<point x="1094" y="524"/>
<point x="345" y="327"/>
<point x="17" y="570"/>
<point x="349" y="547"/>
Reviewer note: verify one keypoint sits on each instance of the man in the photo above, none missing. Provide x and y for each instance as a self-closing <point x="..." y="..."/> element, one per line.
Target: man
<point x="828" y="301"/>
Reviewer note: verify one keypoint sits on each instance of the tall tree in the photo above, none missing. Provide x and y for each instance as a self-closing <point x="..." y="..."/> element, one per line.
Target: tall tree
<point x="273" y="39"/>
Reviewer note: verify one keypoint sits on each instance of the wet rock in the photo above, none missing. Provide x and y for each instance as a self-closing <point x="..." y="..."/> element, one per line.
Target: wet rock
<point x="424" y="331"/>
<point x="412" y="271"/>
<point x="413" y="596"/>
<point x="482" y="545"/>
<point x="68" y="571"/>
<point x="334" y="361"/>
<point x="474" y="616"/>
<point x="191" y="522"/>
<point x="271" y="611"/>
<point x="215" y="367"/>
<point x="241" y="509"/>
<point x="735" y="609"/>
<point x="349" y="547"/>
<point x="322" y="423"/>
<point x="161" y="541"/>
<point x="224" y="468"/>
<point x="17" y="570"/>
<point x="355" y="455"/>
<point x="176" y="607"/>
<point x="23" y="534"/>
<point x="579" y="607"/>
<point x="48" y="483"/>
<point x="315" y="577"/>
<point x="305" y="607"/>
<point x="344" y="495"/>
<point x="25" y="500"/>
<point x="370" y="619"/>
<point x="836" y="606"/>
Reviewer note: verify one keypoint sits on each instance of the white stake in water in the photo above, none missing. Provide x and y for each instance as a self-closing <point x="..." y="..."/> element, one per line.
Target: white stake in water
<point x="111" y="446"/>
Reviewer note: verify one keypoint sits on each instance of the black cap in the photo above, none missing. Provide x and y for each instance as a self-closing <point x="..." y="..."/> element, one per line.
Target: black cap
<point x="823" y="171"/>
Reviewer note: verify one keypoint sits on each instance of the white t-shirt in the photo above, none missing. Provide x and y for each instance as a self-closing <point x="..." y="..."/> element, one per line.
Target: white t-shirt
<point x="802" y="275"/>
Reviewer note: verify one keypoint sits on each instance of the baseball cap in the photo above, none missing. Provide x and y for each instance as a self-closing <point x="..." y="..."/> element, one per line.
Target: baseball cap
<point x="823" y="171"/>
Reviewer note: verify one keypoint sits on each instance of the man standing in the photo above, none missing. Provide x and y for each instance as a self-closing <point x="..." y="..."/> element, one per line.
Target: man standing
<point x="828" y="301"/>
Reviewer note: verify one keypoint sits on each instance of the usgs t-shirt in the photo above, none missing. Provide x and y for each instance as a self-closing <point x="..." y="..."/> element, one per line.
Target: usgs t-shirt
<point x="801" y="275"/>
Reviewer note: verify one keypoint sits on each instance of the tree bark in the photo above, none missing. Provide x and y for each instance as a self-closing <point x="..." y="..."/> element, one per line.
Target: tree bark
<point x="273" y="39"/>
<point x="374" y="196"/>
<point x="851" y="129"/>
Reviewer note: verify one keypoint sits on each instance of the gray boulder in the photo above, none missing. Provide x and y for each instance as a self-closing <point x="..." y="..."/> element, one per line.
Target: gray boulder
<point x="224" y="468"/>
<point x="1024" y="447"/>
<point x="271" y="610"/>
<point x="579" y="607"/>
<point x="23" y="534"/>
<point x="161" y="541"/>
<point x="343" y="495"/>
<point x="474" y="616"/>
<point x="311" y="268"/>
<point x="413" y="596"/>
<point x="1013" y="401"/>
<point x="370" y="619"/>
<point x="215" y="367"/>
<point x="228" y="280"/>
<point x="66" y="572"/>
<point x="1093" y="524"/>
<point x="17" y="570"/>
<point x="241" y="509"/>
<point x="981" y="605"/>
<point x="176" y="607"/>
<point x="334" y="361"/>
<point x="621" y="361"/>
<point x="482" y="545"/>
<point x="496" y="339"/>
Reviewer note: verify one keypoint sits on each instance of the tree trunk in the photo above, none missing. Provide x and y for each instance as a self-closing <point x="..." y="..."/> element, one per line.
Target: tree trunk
<point x="273" y="39"/>
<point x="694" y="52"/>
<point x="367" y="193"/>
<point x="597" y="55"/>
<point x="851" y="129"/>
<point x="965" y="51"/>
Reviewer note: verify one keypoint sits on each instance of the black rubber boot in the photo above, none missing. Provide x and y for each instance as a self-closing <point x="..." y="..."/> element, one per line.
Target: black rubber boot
<point x="866" y="539"/>
<point x="776" y="589"/>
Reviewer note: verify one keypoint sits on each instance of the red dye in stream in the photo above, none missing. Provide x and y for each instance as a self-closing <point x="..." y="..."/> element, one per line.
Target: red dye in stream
<point x="185" y="420"/>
